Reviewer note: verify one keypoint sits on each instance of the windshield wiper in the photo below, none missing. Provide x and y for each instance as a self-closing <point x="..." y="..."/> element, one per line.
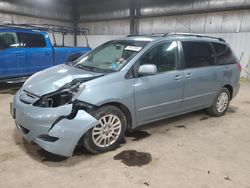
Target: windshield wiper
<point x="87" y="68"/>
<point x="93" y="69"/>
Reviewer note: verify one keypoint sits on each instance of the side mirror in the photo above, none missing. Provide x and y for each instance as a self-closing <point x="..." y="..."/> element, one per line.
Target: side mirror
<point x="147" y="69"/>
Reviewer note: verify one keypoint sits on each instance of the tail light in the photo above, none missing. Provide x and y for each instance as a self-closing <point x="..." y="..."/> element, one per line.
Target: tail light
<point x="239" y="67"/>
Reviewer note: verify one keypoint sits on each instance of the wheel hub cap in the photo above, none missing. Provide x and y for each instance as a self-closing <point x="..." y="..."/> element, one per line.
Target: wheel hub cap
<point x="108" y="131"/>
<point x="222" y="102"/>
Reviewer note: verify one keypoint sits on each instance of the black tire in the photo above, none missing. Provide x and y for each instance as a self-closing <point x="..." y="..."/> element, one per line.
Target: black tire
<point x="73" y="57"/>
<point x="213" y="110"/>
<point x="88" y="141"/>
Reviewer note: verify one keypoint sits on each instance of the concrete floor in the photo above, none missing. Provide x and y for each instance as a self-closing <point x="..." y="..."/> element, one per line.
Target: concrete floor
<point x="193" y="150"/>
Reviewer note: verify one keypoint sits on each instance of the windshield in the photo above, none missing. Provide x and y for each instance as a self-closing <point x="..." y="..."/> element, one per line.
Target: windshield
<point x="111" y="56"/>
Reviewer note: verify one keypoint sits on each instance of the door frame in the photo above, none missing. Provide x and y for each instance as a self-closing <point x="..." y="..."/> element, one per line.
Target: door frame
<point x="132" y="73"/>
<point x="194" y="68"/>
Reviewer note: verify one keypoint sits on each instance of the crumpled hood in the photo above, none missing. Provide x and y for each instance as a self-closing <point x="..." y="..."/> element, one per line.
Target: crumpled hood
<point x="52" y="79"/>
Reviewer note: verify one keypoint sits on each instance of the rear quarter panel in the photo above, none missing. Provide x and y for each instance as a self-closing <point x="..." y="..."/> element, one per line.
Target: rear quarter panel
<point x="229" y="75"/>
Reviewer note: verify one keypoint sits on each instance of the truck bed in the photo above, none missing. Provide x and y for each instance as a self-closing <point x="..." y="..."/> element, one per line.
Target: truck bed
<point x="62" y="54"/>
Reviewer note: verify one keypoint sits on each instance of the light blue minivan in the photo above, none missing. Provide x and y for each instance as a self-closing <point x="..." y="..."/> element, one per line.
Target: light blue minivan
<point x="123" y="84"/>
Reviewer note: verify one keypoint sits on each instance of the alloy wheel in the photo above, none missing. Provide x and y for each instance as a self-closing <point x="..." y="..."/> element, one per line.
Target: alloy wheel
<point x="107" y="131"/>
<point x="222" y="102"/>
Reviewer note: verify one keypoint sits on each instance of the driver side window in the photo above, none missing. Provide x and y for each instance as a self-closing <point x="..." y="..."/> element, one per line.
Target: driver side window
<point x="163" y="56"/>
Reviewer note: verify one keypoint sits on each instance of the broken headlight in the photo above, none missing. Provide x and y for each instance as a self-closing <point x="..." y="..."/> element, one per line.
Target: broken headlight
<point x="65" y="95"/>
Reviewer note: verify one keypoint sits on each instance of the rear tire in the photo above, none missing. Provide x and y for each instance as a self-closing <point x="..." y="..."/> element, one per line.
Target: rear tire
<point x="220" y="103"/>
<point x="109" y="133"/>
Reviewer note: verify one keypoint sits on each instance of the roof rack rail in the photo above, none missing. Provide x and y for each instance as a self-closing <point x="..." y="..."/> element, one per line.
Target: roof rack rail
<point x="50" y="28"/>
<point x="181" y="34"/>
<point x="64" y="30"/>
<point x="148" y="35"/>
<point x="197" y="35"/>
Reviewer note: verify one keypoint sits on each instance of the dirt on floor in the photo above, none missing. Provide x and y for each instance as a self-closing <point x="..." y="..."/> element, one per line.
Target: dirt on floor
<point x="193" y="150"/>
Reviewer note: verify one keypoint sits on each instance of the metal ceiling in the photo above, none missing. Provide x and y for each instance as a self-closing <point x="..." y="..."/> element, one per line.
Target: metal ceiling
<point x="49" y="9"/>
<point x="149" y="16"/>
<point x="149" y="8"/>
<point x="105" y="10"/>
<point x="128" y="16"/>
<point x="94" y="10"/>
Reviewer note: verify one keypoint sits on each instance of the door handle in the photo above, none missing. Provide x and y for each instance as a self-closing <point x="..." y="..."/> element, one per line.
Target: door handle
<point x="188" y="75"/>
<point x="178" y="77"/>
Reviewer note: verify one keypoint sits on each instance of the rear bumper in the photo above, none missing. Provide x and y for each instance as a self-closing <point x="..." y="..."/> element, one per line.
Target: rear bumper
<point x="35" y="122"/>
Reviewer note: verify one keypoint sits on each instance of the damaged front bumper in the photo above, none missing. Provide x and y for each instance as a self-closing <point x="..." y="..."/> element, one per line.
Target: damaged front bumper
<point x="49" y="127"/>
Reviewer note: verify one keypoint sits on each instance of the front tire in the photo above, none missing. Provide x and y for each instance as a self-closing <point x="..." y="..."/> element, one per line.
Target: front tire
<point x="220" y="104"/>
<point x="108" y="134"/>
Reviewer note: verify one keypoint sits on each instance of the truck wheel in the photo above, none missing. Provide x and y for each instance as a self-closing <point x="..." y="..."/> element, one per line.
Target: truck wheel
<point x="220" y="104"/>
<point x="108" y="134"/>
<point x="73" y="57"/>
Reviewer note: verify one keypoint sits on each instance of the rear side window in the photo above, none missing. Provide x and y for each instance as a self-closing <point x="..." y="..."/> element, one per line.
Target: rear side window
<point x="8" y="40"/>
<point x="198" y="54"/>
<point x="32" y="40"/>
<point x="224" y="54"/>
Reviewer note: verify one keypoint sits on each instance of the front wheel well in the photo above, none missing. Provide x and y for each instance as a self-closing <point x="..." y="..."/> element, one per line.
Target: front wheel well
<point x="124" y="109"/>
<point x="230" y="89"/>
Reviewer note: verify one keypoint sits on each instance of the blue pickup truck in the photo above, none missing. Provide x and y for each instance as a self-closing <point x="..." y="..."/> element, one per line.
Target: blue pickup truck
<point x="24" y="52"/>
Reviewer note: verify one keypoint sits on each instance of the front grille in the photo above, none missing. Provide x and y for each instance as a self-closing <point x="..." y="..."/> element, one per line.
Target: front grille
<point x="22" y="129"/>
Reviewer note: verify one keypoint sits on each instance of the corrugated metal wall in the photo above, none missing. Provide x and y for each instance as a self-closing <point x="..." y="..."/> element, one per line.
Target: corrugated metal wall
<point x="110" y="19"/>
<point x="92" y="10"/>
<point x="56" y="9"/>
<point x="224" y="18"/>
<point x="39" y="12"/>
<point x="221" y="22"/>
<point x="207" y="16"/>
<point x="240" y="44"/>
